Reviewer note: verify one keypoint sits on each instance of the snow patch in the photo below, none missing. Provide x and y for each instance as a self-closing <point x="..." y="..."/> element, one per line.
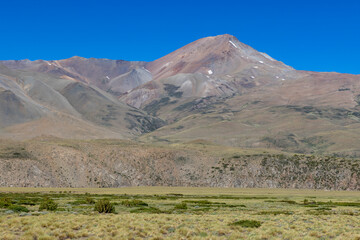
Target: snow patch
<point x="167" y="64"/>
<point x="261" y="62"/>
<point x="107" y="77"/>
<point x="186" y="84"/>
<point x="252" y="77"/>
<point x="210" y="72"/>
<point x="147" y="70"/>
<point x="283" y="79"/>
<point x="233" y="44"/>
<point x="267" y="56"/>
<point x="255" y="67"/>
<point x="228" y="75"/>
<point x="48" y="63"/>
<point x="277" y="76"/>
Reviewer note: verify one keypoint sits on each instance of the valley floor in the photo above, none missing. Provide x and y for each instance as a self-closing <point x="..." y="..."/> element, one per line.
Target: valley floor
<point x="180" y="213"/>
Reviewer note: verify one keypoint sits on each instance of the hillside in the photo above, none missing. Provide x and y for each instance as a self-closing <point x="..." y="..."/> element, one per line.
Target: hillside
<point x="33" y="104"/>
<point x="53" y="162"/>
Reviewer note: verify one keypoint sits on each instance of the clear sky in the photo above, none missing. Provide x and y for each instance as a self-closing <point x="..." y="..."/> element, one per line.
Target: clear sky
<point x="315" y="35"/>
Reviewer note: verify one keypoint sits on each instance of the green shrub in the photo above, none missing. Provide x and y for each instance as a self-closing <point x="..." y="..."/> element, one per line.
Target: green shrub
<point x="180" y="206"/>
<point x="27" y="202"/>
<point x="246" y="223"/>
<point x="133" y="203"/>
<point x="18" y="208"/>
<point x="5" y="202"/>
<point x="48" y="204"/>
<point x="104" y="206"/>
<point x="146" y="210"/>
<point x="89" y="200"/>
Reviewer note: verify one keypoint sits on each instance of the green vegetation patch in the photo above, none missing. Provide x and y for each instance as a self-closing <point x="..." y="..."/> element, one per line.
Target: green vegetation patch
<point x="246" y="223"/>
<point x="146" y="210"/>
<point x="308" y="203"/>
<point x="104" y="206"/>
<point x="48" y="204"/>
<point x="133" y="203"/>
<point x="182" y="206"/>
<point x="5" y="202"/>
<point x="18" y="208"/>
<point x="203" y="202"/>
<point x="87" y="200"/>
<point x="276" y="213"/>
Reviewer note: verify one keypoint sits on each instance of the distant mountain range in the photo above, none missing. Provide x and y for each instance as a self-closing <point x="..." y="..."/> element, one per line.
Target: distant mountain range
<point x="216" y="89"/>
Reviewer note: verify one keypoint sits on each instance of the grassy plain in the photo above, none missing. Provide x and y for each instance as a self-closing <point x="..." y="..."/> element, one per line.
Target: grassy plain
<point x="181" y="213"/>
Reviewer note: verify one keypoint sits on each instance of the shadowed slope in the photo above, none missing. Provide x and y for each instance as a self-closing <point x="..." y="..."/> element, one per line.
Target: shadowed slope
<point x="64" y="108"/>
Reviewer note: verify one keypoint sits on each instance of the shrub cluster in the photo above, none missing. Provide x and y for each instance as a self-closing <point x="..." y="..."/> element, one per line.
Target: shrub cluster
<point x="104" y="206"/>
<point x="8" y="203"/>
<point x="180" y="206"/>
<point x="5" y="202"/>
<point x="18" y="208"/>
<point x="48" y="204"/>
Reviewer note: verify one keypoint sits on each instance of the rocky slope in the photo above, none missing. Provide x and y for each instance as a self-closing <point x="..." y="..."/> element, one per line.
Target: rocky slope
<point x="49" y="162"/>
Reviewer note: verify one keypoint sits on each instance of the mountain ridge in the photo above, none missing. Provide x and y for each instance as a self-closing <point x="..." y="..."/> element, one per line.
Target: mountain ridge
<point x="214" y="79"/>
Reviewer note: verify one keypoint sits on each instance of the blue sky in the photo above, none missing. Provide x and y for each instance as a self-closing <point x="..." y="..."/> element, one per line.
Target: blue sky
<point x="307" y="35"/>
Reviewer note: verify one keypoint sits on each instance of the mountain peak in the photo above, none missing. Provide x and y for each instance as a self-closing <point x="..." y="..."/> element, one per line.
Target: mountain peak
<point x="222" y="54"/>
<point x="76" y="58"/>
<point x="221" y="36"/>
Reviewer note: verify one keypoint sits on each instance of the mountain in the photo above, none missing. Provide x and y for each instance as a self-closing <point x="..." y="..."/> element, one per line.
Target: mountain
<point x="216" y="89"/>
<point x="34" y="103"/>
<point x="220" y="55"/>
<point x="225" y="92"/>
<point x="213" y="66"/>
<point x="92" y="71"/>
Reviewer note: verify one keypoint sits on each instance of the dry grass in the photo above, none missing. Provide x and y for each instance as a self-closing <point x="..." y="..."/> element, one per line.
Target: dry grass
<point x="207" y="191"/>
<point x="209" y="215"/>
